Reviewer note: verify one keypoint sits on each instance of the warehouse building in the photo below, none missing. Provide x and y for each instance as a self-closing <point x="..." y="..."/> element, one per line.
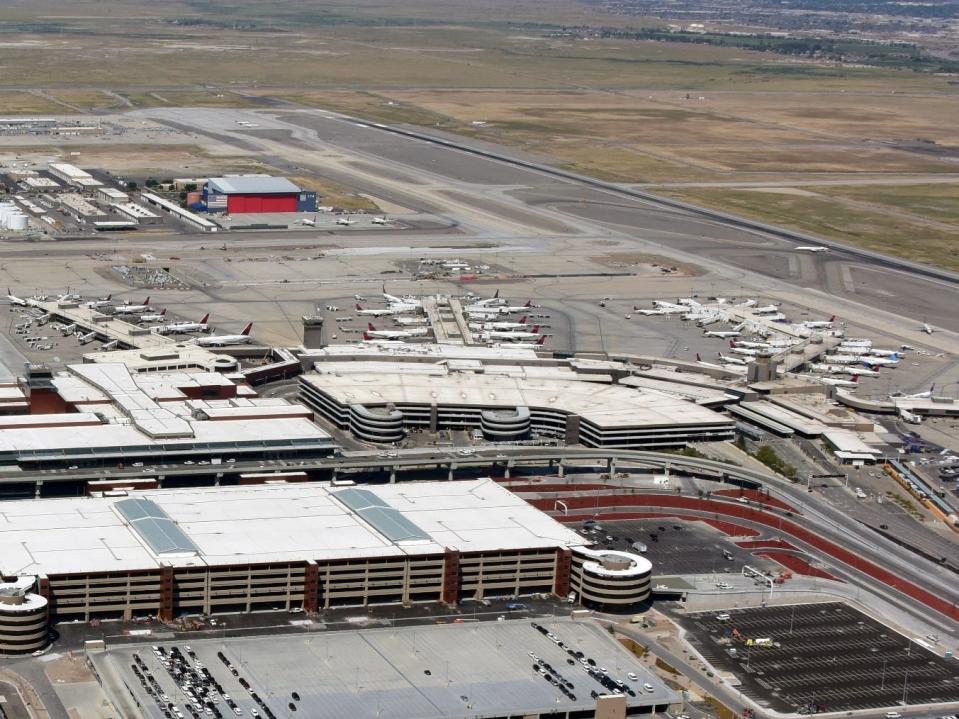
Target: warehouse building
<point x="73" y="175"/>
<point x="290" y="547"/>
<point x="255" y="194"/>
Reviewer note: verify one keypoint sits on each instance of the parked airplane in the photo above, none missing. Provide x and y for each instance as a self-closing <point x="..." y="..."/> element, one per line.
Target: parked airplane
<point x="919" y="395"/>
<point x="225" y="340"/>
<point x="835" y="382"/>
<point x="870" y="361"/>
<point x="19" y="301"/>
<point x="132" y="309"/>
<point x="307" y="222"/>
<point x="518" y="325"/>
<point x="520" y="345"/>
<point x="158" y="317"/>
<point x="751" y="345"/>
<point x="374" y="313"/>
<point x="530" y="334"/>
<point x="842" y="359"/>
<point x="180" y="328"/>
<point x="820" y="325"/>
<point x="767" y="310"/>
<point x="721" y="334"/>
<point x="97" y="304"/>
<point x="373" y="333"/>
<point x="927" y="328"/>
<point x="731" y="360"/>
<point x="380" y="221"/>
<point x="843" y="369"/>
<point x="811" y="248"/>
<point x="731" y="368"/>
<point x="345" y="221"/>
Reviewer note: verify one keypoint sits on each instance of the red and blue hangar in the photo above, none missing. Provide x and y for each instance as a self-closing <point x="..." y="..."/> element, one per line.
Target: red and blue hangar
<point x="256" y="194"/>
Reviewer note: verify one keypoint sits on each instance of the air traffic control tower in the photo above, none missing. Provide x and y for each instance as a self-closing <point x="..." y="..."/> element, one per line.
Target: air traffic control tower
<point x="313" y="331"/>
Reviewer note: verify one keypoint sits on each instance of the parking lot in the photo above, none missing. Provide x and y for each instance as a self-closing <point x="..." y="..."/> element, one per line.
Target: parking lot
<point x="679" y="547"/>
<point x="821" y="658"/>
<point x="467" y="669"/>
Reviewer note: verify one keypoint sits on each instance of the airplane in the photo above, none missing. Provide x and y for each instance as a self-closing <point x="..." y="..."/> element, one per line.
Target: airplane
<point x="530" y="334"/>
<point x="723" y="334"/>
<point x="919" y="395"/>
<point x="132" y="309"/>
<point x="518" y="325"/>
<point x="494" y="300"/>
<point x="520" y="345"/>
<point x="844" y="369"/>
<point x="380" y="221"/>
<point x="730" y="360"/>
<point x="835" y="382"/>
<point x="706" y="321"/>
<point x="751" y="345"/>
<point x="811" y="248"/>
<point x="373" y="313"/>
<point x="307" y="222"/>
<point x="225" y="340"/>
<point x="97" y="304"/>
<point x="842" y="359"/>
<point x="408" y="301"/>
<point x="19" y="301"/>
<point x="927" y="328"/>
<point x="345" y="221"/>
<point x="658" y="311"/>
<point x="179" y="328"/>
<point x="883" y="353"/>
<point x="359" y="298"/>
<point x="373" y="333"/>
<point x="158" y="317"/>
<point x="869" y="361"/>
<point x="731" y="368"/>
<point x="767" y="310"/>
<point x="744" y="351"/>
<point x="820" y="325"/>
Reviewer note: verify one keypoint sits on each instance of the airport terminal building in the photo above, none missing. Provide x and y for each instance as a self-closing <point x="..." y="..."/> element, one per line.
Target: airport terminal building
<point x="381" y="401"/>
<point x="288" y="547"/>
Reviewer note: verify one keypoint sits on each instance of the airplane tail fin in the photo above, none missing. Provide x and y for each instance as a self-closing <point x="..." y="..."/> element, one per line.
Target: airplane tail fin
<point x="109" y="297"/>
<point x="698" y="358"/>
<point x="146" y="301"/>
<point x="535" y="329"/>
<point x="496" y="295"/>
<point x="541" y="340"/>
<point x="370" y="327"/>
<point x="359" y="307"/>
<point x="529" y="303"/>
<point x="731" y="344"/>
<point x="833" y="318"/>
<point x="246" y="330"/>
<point x="366" y="336"/>
<point x="205" y="318"/>
<point x="522" y="320"/>
<point x="855" y="378"/>
<point x="163" y="312"/>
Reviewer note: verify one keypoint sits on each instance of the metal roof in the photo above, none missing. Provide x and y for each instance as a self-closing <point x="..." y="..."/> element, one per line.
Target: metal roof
<point x="380" y="515"/>
<point x="255" y="184"/>
<point x="155" y="527"/>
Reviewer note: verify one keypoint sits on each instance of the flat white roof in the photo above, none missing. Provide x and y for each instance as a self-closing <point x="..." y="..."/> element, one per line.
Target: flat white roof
<point x="270" y="523"/>
<point x="606" y="405"/>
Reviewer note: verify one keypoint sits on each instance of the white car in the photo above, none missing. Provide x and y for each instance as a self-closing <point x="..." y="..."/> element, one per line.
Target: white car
<point x="632" y="677"/>
<point x="648" y="688"/>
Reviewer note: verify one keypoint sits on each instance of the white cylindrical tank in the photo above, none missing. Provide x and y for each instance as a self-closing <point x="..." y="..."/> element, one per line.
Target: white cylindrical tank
<point x="6" y="209"/>
<point x="17" y="222"/>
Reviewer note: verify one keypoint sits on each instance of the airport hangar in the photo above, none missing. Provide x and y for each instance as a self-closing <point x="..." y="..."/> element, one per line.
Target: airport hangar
<point x="284" y="547"/>
<point x="255" y="194"/>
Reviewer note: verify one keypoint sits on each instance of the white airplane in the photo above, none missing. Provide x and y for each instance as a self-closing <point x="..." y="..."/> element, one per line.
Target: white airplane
<point x="820" y="325"/>
<point x="180" y="328"/>
<point x="721" y="334"/>
<point x="19" y="301"/>
<point x="919" y="395"/>
<point x="731" y="360"/>
<point x="359" y="298"/>
<point x="225" y="340"/>
<point x="844" y="369"/>
<point x="373" y="333"/>
<point x="706" y="321"/>
<point x="731" y="368"/>
<point x="494" y="300"/>
<point x="530" y="334"/>
<point x="927" y="328"/>
<point x="158" y="317"/>
<point x="870" y="361"/>
<point x="767" y="310"/>
<point x="520" y="345"/>
<point x="408" y="300"/>
<point x="835" y="382"/>
<point x="751" y="345"/>
<point x="811" y="248"/>
<point x="345" y="221"/>
<point x="307" y="222"/>
<point x="658" y="311"/>
<point x="373" y="313"/>
<point x="518" y="325"/>
<point x="97" y="304"/>
<point x="883" y="353"/>
<point x="380" y="221"/>
<point x="132" y="309"/>
<point x="744" y="351"/>
<point x="842" y="359"/>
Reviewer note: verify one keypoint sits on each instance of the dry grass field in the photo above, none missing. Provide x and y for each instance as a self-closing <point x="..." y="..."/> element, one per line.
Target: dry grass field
<point x="688" y="119"/>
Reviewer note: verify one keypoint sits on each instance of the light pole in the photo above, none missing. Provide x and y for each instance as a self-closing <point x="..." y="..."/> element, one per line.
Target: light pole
<point x="883" y="685"/>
